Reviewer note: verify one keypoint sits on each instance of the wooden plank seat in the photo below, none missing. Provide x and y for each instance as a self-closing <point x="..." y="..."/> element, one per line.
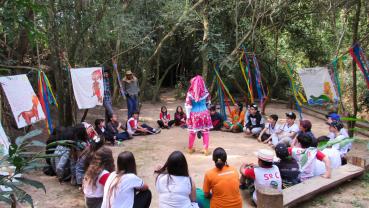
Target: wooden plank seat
<point x="308" y="189"/>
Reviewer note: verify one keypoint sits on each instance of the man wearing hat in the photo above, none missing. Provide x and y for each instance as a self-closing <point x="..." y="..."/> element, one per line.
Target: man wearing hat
<point x="266" y="175"/>
<point x="287" y="132"/>
<point x="131" y="89"/>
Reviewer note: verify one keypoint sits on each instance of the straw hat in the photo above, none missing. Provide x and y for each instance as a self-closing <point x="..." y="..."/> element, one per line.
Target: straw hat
<point x="265" y="155"/>
<point x="129" y="72"/>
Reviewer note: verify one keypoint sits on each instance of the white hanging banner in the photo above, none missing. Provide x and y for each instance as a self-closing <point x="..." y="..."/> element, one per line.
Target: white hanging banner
<point x="88" y="86"/>
<point x="22" y="99"/>
<point x="318" y="86"/>
<point x="4" y="141"/>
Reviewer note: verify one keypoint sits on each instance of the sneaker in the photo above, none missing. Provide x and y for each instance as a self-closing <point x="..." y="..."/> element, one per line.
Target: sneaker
<point x="157" y="131"/>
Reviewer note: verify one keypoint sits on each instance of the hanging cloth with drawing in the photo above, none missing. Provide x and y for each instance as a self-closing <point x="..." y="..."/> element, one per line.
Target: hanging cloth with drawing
<point x="22" y="99"/>
<point x="88" y="86"/>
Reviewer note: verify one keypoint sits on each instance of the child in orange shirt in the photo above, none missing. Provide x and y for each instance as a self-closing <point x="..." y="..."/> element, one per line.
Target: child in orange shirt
<point x="237" y="117"/>
<point x="221" y="183"/>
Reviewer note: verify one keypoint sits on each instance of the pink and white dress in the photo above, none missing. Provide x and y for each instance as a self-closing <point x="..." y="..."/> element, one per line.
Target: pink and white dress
<point x="198" y="116"/>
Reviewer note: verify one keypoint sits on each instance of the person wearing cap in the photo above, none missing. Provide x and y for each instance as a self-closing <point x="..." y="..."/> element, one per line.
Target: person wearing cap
<point x="265" y="175"/>
<point x="287" y="132"/>
<point x="343" y="147"/>
<point x="342" y="131"/>
<point x="306" y="156"/>
<point x="332" y="117"/>
<point x="333" y="155"/>
<point x="270" y="128"/>
<point x="131" y="90"/>
<point x="288" y="167"/>
<point x="221" y="183"/>
<point x="255" y="122"/>
<point x="107" y="103"/>
<point x="237" y="116"/>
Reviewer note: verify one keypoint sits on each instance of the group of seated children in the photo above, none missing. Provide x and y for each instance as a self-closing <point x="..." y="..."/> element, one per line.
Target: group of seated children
<point x="164" y="121"/>
<point x="114" y="131"/>
<point x="251" y="122"/>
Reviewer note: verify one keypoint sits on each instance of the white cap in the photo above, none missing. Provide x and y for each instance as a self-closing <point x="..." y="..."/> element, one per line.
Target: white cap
<point x="265" y="155"/>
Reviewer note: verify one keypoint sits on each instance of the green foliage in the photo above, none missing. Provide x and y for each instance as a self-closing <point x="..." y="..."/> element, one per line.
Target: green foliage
<point x="20" y="161"/>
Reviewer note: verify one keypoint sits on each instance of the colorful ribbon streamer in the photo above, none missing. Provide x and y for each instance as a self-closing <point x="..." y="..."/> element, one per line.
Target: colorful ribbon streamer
<point x="358" y="55"/>
<point x="47" y="98"/>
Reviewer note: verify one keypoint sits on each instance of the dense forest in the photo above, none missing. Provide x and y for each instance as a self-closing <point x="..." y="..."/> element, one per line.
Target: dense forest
<point x="165" y="42"/>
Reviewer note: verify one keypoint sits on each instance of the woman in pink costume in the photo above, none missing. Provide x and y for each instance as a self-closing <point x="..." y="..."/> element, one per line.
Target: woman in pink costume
<point x="199" y="120"/>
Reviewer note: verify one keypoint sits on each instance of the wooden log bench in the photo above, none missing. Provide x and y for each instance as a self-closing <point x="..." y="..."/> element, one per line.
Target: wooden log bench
<point x="306" y="190"/>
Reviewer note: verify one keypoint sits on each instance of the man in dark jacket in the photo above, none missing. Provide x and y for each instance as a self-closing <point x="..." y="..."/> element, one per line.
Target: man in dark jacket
<point x="254" y="122"/>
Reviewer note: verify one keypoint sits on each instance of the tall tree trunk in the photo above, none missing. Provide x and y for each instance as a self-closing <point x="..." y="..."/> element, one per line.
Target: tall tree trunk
<point x="355" y="29"/>
<point x="114" y="75"/>
<point x="61" y="76"/>
<point x="205" y="40"/>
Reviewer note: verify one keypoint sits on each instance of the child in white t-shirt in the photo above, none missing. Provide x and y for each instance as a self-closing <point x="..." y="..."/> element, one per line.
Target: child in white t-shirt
<point x="335" y="128"/>
<point x="266" y="175"/>
<point x="96" y="175"/>
<point x="333" y="155"/>
<point x="270" y="128"/>
<point x="124" y="189"/>
<point x="287" y="131"/>
<point x="306" y="156"/>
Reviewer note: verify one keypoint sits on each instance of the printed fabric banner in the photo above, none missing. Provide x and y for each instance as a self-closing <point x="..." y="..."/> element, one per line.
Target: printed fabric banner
<point x="22" y="99"/>
<point x="4" y="141"/>
<point x="318" y="86"/>
<point x="88" y="86"/>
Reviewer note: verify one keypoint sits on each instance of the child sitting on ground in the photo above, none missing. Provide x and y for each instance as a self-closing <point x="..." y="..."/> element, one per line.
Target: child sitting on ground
<point x="254" y="123"/>
<point x="96" y="175"/>
<point x="237" y="116"/>
<point x="135" y="128"/>
<point x="216" y="118"/>
<point x="306" y="157"/>
<point x="335" y="128"/>
<point x="179" y="118"/>
<point x="288" y="167"/>
<point x="265" y="175"/>
<point x="115" y="130"/>
<point x="305" y="127"/>
<point x="100" y="128"/>
<point x="164" y="116"/>
<point x="287" y="132"/>
<point x="270" y="128"/>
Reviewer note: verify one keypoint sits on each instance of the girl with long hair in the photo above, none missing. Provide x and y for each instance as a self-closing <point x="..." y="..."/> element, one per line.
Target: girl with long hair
<point x="221" y="184"/>
<point x="96" y="175"/>
<point x="175" y="187"/>
<point x="164" y="116"/>
<point x="124" y="189"/>
<point x="179" y="118"/>
<point x="198" y="116"/>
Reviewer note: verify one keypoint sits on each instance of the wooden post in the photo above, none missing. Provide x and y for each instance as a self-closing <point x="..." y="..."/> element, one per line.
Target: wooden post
<point x="358" y="161"/>
<point x="84" y="116"/>
<point x="269" y="197"/>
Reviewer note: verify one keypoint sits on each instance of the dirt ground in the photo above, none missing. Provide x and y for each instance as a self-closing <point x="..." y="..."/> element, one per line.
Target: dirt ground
<point x="151" y="151"/>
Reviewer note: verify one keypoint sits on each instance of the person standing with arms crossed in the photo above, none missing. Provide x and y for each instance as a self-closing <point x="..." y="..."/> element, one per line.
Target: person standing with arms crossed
<point x="131" y="90"/>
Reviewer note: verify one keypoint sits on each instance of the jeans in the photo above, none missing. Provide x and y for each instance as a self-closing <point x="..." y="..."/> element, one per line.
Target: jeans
<point x="108" y="110"/>
<point x="131" y="105"/>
